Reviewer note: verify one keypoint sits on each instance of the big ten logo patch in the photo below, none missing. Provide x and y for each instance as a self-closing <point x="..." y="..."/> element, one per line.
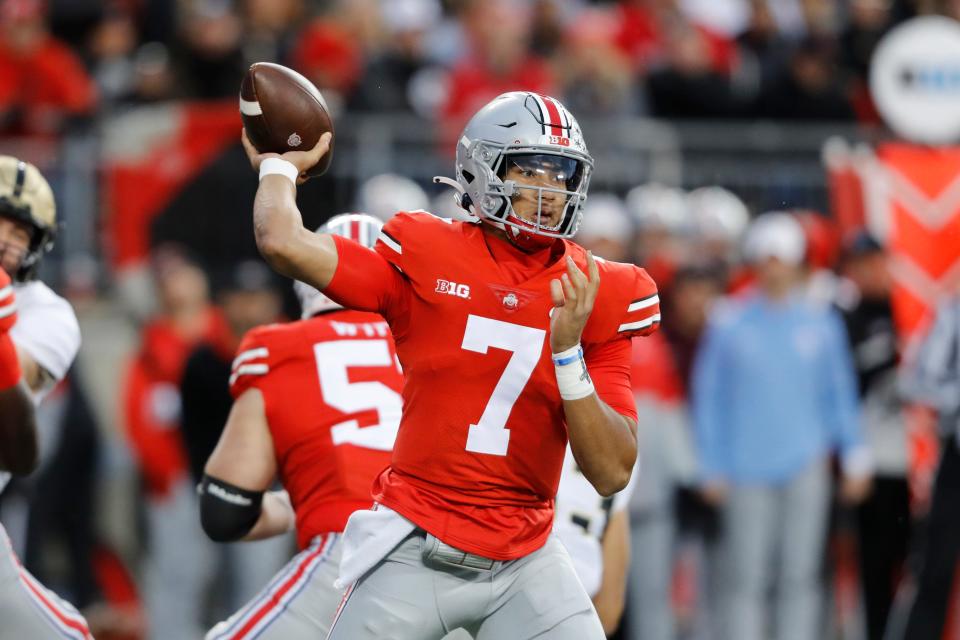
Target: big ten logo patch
<point x="452" y="288"/>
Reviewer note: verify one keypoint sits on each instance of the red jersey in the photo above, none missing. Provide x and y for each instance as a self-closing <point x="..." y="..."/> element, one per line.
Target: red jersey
<point x="331" y="391"/>
<point x="482" y="440"/>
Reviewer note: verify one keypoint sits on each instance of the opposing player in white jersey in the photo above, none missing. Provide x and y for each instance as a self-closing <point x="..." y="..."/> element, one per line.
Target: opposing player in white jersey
<point x="46" y="338"/>
<point x="596" y="532"/>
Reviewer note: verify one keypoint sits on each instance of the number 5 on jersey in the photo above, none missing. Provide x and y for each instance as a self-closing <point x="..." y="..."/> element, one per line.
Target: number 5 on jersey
<point x="333" y="359"/>
<point x="490" y="434"/>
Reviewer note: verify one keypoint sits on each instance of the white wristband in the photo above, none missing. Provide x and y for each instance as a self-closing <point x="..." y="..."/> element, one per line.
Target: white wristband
<point x="279" y="166"/>
<point x="573" y="379"/>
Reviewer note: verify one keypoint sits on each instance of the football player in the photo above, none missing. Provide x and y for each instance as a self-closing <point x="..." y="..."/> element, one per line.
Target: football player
<point x="512" y="338"/>
<point x="596" y="532"/>
<point x="46" y="338"/>
<point x="317" y="404"/>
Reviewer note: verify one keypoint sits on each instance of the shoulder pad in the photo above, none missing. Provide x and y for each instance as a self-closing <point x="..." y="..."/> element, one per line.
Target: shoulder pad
<point x="259" y="349"/>
<point x="628" y="303"/>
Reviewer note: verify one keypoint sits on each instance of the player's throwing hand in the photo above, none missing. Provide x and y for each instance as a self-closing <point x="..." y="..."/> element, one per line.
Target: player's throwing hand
<point x="302" y="160"/>
<point x="573" y="296"/>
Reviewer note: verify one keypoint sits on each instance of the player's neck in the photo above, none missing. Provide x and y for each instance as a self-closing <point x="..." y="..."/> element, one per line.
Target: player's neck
<point x="547" y="252"/>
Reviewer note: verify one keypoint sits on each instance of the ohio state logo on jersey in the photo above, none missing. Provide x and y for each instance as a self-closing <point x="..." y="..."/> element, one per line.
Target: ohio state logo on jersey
<point x="452" y="288"/>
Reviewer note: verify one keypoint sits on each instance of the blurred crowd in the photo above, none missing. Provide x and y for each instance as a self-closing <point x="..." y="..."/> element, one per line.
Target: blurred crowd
<point x="64" y="61"/>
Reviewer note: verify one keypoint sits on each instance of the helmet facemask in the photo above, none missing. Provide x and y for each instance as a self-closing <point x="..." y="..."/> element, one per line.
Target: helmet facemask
<point x="535" y="194"/>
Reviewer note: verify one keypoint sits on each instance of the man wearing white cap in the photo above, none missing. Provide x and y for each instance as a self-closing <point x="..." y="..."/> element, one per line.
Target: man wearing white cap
<point x="774" y="394"/>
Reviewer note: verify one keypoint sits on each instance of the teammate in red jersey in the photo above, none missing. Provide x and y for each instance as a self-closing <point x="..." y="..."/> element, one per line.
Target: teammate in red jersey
<point x="317" y="404"/>
<point x="460" y="536"/>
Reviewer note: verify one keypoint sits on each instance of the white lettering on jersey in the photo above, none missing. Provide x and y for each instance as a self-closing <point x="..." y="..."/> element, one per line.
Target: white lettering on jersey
<point x="453" y="289"/>
<point x="367" y="329"/>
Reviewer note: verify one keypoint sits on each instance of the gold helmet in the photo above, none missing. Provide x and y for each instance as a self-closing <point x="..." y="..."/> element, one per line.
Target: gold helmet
<point x="26" y="197"/>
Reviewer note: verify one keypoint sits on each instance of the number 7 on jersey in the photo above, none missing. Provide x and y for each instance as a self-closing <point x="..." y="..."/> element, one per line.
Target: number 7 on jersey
<point x="490" y="434"/>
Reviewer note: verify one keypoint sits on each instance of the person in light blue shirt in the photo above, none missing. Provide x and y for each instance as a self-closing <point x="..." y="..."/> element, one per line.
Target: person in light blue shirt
<point x="774" y="395"/>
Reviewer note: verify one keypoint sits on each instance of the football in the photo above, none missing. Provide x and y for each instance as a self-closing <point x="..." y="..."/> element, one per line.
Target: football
<point x="282" y="111"/>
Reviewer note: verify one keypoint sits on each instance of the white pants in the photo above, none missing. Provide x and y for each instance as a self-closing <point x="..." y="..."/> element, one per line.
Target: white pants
<point x="409" y="597"/>
<point x="30" y="610"/>
<point x="298" y="604"/>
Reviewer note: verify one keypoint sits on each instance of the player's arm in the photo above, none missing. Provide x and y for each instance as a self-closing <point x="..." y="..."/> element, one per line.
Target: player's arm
<point x="604" y="442"/>
<point x="234" y="501"/>
<point x="611" y="597"/>
<point x="289" y="247"/>
<point x="18" y="430"/>
<point x="364" y="280"/>
<point x="36" y="377"/>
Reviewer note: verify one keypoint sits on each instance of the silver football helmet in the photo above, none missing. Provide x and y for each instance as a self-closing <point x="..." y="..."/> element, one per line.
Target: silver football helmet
<point x="359" y="227"/>
<point x="536" y="136"/>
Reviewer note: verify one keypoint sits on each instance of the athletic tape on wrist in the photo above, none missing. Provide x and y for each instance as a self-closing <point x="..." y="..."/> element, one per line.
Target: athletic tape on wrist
<point x="10" y="373"/>
<point x="279" y="166"/>
<point x="573" y="379"/>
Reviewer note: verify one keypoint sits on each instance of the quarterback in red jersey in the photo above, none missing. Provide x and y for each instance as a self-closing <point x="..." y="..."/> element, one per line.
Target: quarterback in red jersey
<point x="317" y="405"/>
<point x="467" y="501"/>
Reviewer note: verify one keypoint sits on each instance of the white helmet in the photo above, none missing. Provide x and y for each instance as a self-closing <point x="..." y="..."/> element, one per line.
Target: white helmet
<point x="605" y="216"/>
<point x="359" y="227"/>
<point x="25" y="196"/>
<point x="531" y="131"/>
<point x="657" y="206"/>
<point x="718" y="213"/>
<point x="383" y="195"/>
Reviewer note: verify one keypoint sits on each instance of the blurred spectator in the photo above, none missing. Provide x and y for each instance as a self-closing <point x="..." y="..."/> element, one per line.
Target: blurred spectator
<point x="662" y="221"/>
<point x="151" y="397"/>
<point x="606" y="228"/>
<point x="42" y="82"/>
<point x="762" y="49"/>
<point x="689" y="85"/>
<point x="153" y="75"/>
<point x="499" y="61"/>
<point x="270" y="29"/>
<point x="868" y="21"/>
<point x="773" y="394"/>
<point x="809" y="90"/>
<point x="932" y="380"/>
<point x="644" y="34"/>
<point x="111" y="47"/>
<point x="247" y="294"/>
<point x="884" y="518"/>
<point x="595" y="74"/>
<point x="332" y="49"/>
<point x="248" y="297"/>
<point x="210" y="60"/>
<point x="548" y="26"/>
<point x="387" y="82"/>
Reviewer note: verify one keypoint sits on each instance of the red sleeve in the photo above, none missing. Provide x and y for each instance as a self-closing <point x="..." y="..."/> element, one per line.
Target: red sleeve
<point x="366" y="281"/>
<point x="609" y="367"/>
<point x="253" y="360"/>
<point x="642" y="314"/>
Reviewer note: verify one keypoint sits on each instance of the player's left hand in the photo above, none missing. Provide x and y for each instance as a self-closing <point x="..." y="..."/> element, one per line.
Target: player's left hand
<point x="573" y="297"/>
